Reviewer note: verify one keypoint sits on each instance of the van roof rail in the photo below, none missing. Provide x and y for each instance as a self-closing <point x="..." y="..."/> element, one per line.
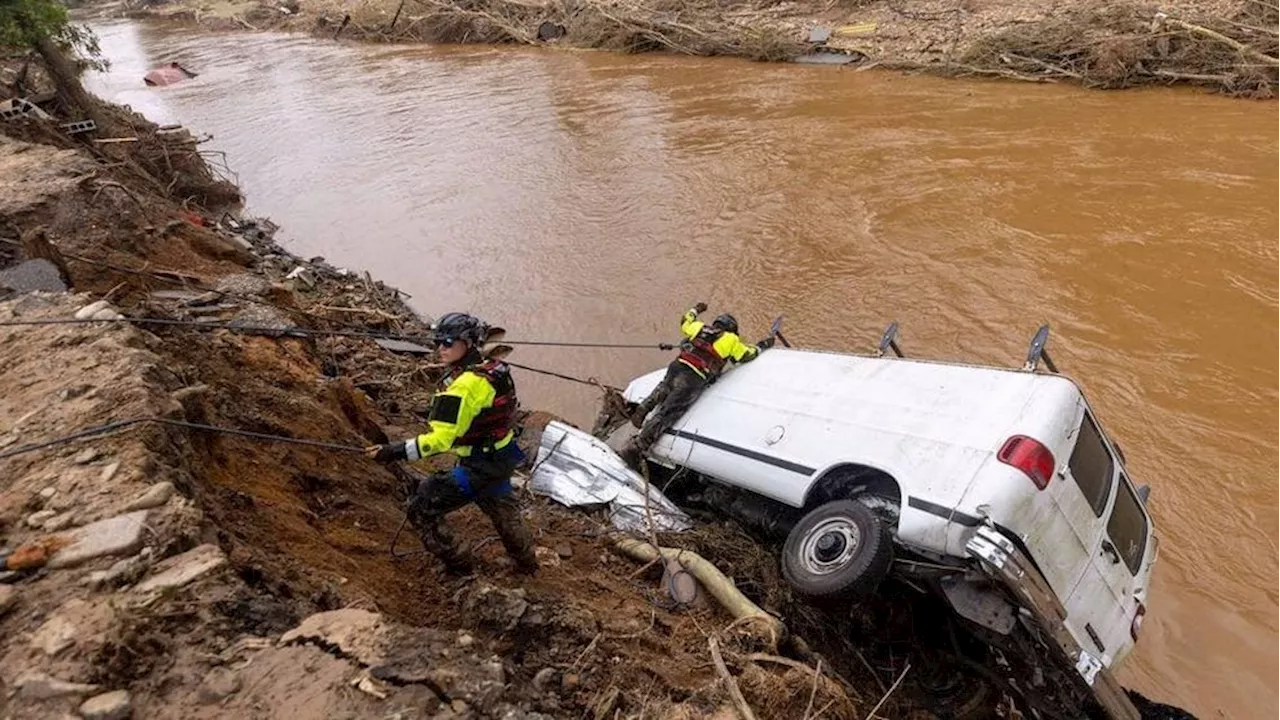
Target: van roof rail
<point x="1038" y="351"/>
<point x="889" y="341"/>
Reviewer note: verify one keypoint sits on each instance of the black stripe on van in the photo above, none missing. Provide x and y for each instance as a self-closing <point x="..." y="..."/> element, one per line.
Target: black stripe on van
<point x="752" y="454"/>
<point x="944" y="512"/>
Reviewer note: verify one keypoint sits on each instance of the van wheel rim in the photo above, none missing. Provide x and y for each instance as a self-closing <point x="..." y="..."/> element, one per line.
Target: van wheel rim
<point x="830" y="545"/>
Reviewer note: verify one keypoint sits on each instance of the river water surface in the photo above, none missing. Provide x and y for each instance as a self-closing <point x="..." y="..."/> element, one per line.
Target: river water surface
<point x="590" y="196"/>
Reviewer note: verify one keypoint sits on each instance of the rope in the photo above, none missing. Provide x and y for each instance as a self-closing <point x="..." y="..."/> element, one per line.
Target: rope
<point x="589" y="381"/>
<point x="305" y="332"/>
<point x="119" y="425"/>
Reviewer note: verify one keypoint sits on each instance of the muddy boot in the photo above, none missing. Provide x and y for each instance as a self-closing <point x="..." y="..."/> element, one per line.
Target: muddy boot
<point x="637" y="417"/>
<point x="504" y="513"/>
<point x="630" y="455"/>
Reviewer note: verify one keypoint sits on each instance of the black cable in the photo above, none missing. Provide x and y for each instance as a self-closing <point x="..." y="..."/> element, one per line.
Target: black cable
<point x="124" y="424"/>
<point x="589" y="381"/>
<point x="305" y="332"/>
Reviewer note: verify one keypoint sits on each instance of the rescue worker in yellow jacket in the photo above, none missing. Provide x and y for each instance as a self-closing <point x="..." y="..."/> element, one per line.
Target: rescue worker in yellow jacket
<point x="474" y="417"/>
<point x="705" y="352"/>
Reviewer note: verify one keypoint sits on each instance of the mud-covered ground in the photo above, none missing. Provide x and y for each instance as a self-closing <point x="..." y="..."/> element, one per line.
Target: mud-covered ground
<point x="173" y="571"/>
<point x="1228" y="45"/>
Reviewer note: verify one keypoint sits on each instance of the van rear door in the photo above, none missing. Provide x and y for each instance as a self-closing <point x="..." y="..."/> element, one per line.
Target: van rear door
<point x="1084" y="495"/>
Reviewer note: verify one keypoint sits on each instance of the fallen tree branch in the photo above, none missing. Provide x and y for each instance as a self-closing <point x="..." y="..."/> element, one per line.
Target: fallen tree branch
<point x="889" y="692"/>
<point x="1236" y="44"/>
<point x="813" y="692"/>
<point x="716" y="583"/>
<point x="1192" y="77"/>
<point x="735" y="692"/>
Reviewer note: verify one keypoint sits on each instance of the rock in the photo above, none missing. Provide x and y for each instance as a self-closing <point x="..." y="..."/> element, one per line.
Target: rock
<point x="74" y="391"/>
<point x="459" y="706"/>
<point x="302" y="276"/>
<point x="114" y="705"/>
<point x="546" y="556"/>
<point x="465" y="640"/>
<point x="218" y="685"/>
<point x="39" y="686"/>
<point x="55" y="635"/>
<point x="542" y="679"/>
<point x="120" y="535"/>
<point x="107" y="314"/>
<point x="59" y="522"/>
<point x="31" y="555"/>
<point x="8" y="599"/>
<point x="122" y="572"/>
<point x="260" y="316"/>
<point x="32" y="275"/>
<point x="48" y="493"/>
<point x="38" y="519"/>
<point x="108" y="472"/>
<point x="564" y="550"/>
<point x="570" y="681"/>
<point x="183" y="569"/>
<point x="497" y="606"/>
<point x="358" y="633"/>
<point x="88" y="311"/>
<point x="183" y="394"/>
<point x="86" y="456"/>
<point x="242" y="284"/>
<point x="155" y="496"/>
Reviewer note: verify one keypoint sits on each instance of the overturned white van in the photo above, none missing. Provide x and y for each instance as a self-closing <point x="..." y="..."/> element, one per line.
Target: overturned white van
<point x="997" y="487"/>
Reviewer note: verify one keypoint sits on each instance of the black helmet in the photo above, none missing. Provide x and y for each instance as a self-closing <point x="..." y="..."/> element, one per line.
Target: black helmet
<point x="726" y="322"/>
<point x="458" y="326"/>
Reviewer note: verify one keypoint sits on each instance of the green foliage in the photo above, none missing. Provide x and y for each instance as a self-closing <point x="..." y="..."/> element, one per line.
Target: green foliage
<point x="24" y="22"/>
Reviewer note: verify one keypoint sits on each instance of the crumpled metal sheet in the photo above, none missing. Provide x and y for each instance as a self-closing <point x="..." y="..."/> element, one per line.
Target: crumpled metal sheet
<point x="576" y="469"/>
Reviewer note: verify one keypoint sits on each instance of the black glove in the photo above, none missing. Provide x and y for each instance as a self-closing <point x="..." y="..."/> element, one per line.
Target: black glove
<point x="767" y="343"/>
<point x="700" y="308"/>
<point x="386" y="453"/>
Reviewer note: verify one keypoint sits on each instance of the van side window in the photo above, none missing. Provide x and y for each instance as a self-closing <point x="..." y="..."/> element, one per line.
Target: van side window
<point x="1127" y="528"/>
<point x="1092" y="466"/>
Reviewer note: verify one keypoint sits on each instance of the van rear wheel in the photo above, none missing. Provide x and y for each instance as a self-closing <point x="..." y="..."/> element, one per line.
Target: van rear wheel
<point x="839" y="550"/>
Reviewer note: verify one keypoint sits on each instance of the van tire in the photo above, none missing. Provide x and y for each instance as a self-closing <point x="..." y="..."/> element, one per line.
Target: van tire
<point x="839" y="550"/>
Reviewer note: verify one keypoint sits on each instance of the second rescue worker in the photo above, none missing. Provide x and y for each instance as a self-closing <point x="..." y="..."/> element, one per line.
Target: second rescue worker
<point x="703" y="356"/>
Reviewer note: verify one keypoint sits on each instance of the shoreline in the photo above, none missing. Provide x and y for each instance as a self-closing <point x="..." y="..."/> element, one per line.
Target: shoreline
<point x="1225" y="46"/>
<point x="169" y="569"/>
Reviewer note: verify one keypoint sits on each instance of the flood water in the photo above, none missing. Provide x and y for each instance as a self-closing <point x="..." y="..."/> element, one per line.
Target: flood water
<point x="589" y="196"/>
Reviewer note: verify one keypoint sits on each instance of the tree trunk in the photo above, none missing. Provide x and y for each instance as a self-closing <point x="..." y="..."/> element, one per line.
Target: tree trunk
<point x="67" y="79"/>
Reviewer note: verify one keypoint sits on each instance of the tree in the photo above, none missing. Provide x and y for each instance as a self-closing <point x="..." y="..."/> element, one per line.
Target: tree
<point x="43" y="26"/>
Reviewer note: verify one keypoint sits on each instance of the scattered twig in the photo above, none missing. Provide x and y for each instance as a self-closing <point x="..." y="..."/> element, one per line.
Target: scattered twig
<point x="874" y="674"/>
<point x="591" y="645"/>
<point x="889" y="692"/>
<point x="735" y="692"/>
<point x="813" y="691"/>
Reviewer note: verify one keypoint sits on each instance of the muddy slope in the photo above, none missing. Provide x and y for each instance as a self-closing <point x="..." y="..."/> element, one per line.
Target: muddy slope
<point x="174" y="571"/>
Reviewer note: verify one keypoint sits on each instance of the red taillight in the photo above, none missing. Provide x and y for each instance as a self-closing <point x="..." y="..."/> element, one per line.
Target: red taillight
<point x="1029" y="456"/>
<point x="1136" y="626"/>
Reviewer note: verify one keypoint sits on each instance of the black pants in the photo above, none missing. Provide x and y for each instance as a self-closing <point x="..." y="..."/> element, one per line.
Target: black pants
<point x="483" y="479"/>
<point x="679" y="390"/>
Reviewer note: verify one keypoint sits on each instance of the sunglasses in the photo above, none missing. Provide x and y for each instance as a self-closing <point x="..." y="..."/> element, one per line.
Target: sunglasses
<point x="445" y="342"/>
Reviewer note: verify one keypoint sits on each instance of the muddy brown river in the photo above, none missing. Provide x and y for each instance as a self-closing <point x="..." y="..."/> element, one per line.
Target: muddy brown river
<point x="589" y="196"/>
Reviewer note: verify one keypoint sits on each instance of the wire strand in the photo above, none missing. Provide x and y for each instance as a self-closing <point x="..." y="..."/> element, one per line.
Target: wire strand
<point x="307" y="332"/>
<point x="119" y="425"/>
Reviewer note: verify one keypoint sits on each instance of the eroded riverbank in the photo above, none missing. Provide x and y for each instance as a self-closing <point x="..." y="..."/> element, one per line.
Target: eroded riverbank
<point x="1227" y="45"/>
<point x="1141" y="225"/>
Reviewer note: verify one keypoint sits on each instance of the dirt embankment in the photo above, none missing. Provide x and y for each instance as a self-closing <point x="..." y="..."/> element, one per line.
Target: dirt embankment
<point x="172" y="571"/>
<point x="1228" y="45"/>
